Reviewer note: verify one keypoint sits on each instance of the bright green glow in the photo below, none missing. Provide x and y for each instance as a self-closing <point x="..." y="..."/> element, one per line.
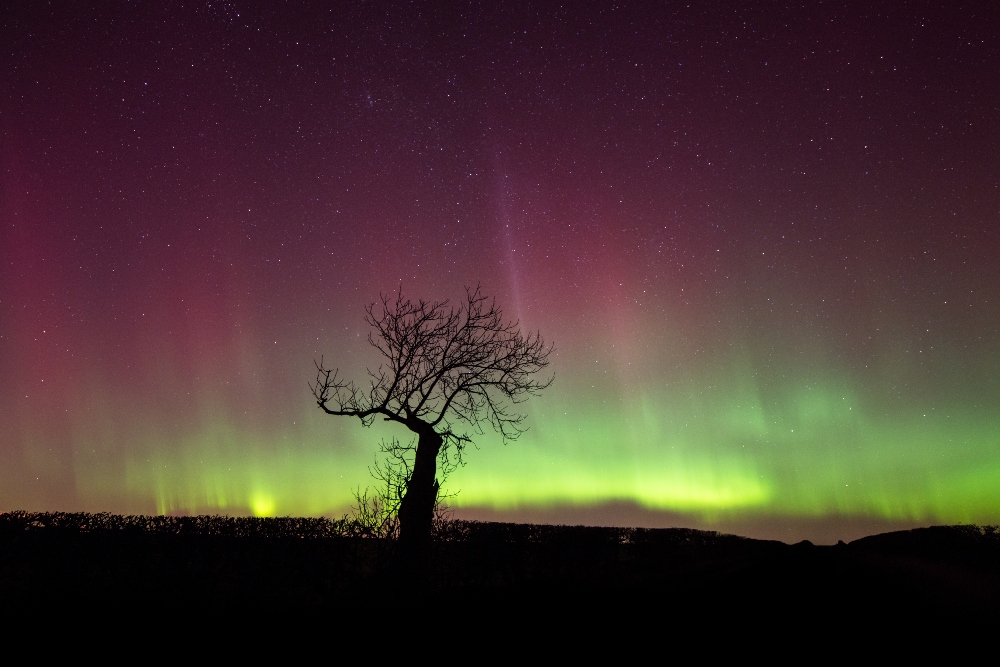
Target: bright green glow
<point x="262" y="503"/>
<point x="711" y="451"/>
<point x="810" y="453"/>
<point x="565" y="460"/>
<point x="689" y="487"/>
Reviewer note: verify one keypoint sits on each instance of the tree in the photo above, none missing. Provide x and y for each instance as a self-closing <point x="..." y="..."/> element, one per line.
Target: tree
<point x="447" y="371"/>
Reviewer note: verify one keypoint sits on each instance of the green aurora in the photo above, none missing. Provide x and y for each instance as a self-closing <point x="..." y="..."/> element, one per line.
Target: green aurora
<point x="714" y="454"/>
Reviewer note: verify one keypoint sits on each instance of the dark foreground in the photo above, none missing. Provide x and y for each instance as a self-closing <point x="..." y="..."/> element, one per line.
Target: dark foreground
<point x="317" y="566"/>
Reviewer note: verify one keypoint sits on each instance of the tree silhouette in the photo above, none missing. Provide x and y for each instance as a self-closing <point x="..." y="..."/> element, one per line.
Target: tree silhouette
<point x="447" y="371"/>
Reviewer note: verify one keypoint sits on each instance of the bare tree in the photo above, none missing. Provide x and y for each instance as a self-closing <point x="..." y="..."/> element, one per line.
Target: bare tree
<point x="447" y="371"/>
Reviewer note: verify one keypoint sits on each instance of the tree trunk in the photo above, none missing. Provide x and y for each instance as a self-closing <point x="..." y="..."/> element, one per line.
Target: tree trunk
<point x="416" y="511"/>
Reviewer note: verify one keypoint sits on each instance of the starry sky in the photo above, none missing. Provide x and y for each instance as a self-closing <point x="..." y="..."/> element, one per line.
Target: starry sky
<point x="762" y="236"/>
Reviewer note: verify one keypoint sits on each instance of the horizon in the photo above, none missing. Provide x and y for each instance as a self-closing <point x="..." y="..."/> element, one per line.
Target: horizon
<point x="763" y="240"/>
<point x="830" y="531"/>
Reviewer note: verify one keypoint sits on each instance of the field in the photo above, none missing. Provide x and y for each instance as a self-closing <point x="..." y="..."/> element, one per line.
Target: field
<point x="312" y="566"/>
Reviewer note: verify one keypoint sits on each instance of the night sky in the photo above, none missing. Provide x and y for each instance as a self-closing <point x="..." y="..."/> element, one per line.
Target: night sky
<point x="763" y="237"/>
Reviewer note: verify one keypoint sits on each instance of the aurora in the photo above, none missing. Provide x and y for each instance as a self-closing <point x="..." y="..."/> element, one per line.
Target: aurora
<point x="763" y="240"/>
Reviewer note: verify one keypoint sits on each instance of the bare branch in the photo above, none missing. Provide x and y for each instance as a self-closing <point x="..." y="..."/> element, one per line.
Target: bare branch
<point x="443" y="367"/>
